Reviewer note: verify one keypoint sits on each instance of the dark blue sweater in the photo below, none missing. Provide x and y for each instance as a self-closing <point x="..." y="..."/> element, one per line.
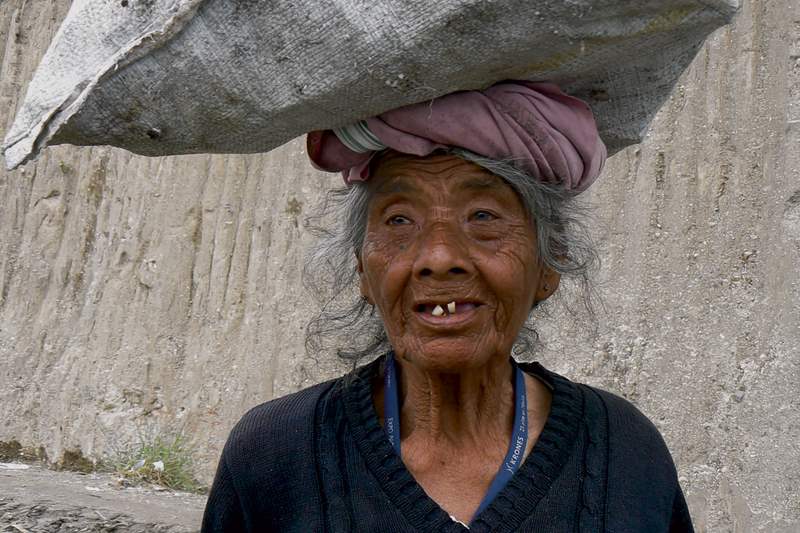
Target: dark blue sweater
<point x="318" y="460"/>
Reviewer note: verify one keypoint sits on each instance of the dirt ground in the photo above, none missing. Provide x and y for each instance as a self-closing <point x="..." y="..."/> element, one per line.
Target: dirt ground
<point x="34" y="499"/>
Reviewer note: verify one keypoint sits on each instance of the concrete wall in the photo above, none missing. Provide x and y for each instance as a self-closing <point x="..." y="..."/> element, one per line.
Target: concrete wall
<point x="164" y="293"/>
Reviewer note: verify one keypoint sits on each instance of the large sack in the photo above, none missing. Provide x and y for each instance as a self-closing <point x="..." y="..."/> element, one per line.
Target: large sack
<point x="162" y="77"/>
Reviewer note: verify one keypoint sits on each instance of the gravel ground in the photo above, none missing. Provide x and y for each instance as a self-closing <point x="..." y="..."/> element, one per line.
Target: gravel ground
<point x="35" y="499"/>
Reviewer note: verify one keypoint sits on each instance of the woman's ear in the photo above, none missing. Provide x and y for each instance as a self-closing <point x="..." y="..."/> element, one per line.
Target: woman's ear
<point x="548" y="283"/>
<point x="362" y="278"/>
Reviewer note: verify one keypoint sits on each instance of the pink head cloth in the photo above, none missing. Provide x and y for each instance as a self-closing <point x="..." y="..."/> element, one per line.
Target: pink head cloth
<point x="546" y="133"/>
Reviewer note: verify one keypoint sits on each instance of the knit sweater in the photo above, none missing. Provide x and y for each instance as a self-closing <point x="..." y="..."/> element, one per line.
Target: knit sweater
<point x="319" y="461"/>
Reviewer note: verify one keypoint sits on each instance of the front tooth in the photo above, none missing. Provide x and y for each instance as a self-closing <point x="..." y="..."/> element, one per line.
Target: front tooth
<point x="437" y="311"/>
<point x="451" y="308"/>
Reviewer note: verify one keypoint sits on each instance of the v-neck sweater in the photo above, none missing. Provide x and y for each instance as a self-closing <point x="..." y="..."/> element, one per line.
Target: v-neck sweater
<point x="319" y="460"/>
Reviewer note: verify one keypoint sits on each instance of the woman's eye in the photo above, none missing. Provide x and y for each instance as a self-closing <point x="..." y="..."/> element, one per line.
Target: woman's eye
<point x="482" y="216"/>
<point x="397" y="220"/>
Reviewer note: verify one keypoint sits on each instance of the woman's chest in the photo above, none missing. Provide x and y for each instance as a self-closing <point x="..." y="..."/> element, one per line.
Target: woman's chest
<point x="458" y="486"/>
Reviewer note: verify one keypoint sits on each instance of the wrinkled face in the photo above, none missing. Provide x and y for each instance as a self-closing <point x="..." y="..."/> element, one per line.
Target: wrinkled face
<point x="450" y="260"/>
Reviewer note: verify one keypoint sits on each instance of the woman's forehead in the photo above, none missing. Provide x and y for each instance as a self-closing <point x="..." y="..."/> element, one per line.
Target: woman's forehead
<point x="400" y="173"/>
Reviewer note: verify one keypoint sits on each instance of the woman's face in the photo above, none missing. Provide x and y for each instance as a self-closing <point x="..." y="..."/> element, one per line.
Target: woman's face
<point x="443" y="230"/>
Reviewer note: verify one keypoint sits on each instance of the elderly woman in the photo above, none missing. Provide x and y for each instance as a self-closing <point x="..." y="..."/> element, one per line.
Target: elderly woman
<point x="457" y="224"/>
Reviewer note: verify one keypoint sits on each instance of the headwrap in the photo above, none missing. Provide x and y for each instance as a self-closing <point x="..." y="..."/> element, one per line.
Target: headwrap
<point x="544" y="132"/>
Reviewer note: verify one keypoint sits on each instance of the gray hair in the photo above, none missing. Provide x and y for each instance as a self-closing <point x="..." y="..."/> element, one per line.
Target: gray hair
<point x="352" y="328"/>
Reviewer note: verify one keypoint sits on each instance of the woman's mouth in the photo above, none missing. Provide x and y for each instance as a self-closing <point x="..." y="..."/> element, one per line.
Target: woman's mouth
<point x="446" y="313"/>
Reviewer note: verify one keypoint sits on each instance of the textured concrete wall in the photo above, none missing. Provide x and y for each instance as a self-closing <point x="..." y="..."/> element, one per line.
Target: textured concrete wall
<point x="165" y="292"/>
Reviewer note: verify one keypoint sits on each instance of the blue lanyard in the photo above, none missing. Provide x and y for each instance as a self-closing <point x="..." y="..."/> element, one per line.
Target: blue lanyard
<point x="519" y="437"/>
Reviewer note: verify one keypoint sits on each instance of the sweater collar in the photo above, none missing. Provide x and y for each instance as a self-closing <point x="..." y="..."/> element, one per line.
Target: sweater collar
<point x="519" y="497"/>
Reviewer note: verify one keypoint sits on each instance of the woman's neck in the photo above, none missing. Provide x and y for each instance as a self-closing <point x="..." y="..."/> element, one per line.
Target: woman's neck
<point x="455" y="428"/>
<point x="456" y="409"/>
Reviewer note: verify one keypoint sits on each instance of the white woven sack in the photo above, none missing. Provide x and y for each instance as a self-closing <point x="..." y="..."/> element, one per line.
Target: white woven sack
<point x="161" y="77"/>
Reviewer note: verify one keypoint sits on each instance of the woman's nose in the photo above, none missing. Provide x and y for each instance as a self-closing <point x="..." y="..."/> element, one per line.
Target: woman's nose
<point x="442" y="255"/>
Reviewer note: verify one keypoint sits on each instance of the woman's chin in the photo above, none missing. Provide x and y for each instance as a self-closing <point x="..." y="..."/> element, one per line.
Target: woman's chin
<point x="448" y="355"/>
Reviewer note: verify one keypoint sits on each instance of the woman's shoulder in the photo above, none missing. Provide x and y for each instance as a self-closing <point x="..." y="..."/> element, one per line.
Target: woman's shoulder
<point x="285" y="426"/>
<point x="632" y="443"/>
<point x="268" y="463"/>
<point x="281" y="426"/>
<point x="621" y="419"/>
<point x="642" y="481"/>
<point x="628" y="428"/>
<point x="626" y="459"/>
